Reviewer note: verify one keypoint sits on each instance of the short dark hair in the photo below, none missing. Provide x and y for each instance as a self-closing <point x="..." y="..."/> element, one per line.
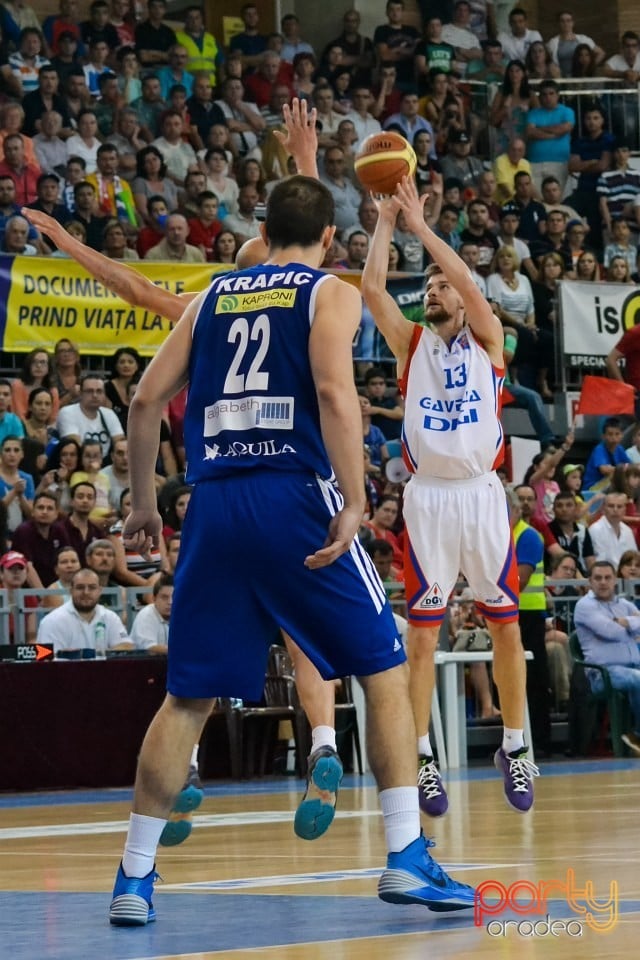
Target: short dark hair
<point x="81" y="483"/>
<point x="45" y="494"/>
<point x="106" y="148"/>
<point x="298" y="211"/>
<point x="379" y="546"/>
<point x="164" y="580"/>
<point x="603" y="563"/>
<point x="374" y="373"/>
<point x="612" y="422"/>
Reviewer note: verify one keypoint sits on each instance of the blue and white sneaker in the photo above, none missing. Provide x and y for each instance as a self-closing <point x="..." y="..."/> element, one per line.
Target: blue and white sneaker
<point x="315" y="814"/>
<point x="131" y="905"/>
<point x="413" y="876"/>
<point x="179" y="825"/>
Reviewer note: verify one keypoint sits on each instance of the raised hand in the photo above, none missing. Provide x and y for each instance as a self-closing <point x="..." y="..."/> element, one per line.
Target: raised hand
<point x="411" y="204"/>
<point x="300" y="137"/>
<point x="388" y="207"/>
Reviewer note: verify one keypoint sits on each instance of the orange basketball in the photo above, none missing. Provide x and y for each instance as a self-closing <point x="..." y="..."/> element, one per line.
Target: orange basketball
<point x="384" y="159"/>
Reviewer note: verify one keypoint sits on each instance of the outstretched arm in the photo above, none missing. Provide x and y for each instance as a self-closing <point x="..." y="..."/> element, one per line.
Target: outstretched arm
<point x="393" y="326"/>
<point x="123" y="280"/>
<point x="300" y="138"/>
<point x="480" y="317"/>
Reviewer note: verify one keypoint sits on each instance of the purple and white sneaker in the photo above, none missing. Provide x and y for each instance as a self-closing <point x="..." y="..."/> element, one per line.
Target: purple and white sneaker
<point x="518" y="774"/>
<point x="431" y="793"/>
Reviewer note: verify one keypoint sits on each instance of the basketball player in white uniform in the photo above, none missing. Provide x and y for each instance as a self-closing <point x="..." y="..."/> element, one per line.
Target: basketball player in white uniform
<point x="455" y="508"/>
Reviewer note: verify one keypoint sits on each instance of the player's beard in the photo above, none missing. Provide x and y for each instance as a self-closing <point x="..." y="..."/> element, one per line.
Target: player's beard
<point x="437" y="316"/>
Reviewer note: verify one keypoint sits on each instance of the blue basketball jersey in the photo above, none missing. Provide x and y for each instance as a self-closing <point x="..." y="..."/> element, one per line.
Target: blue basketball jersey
<point x="252" y="400"/>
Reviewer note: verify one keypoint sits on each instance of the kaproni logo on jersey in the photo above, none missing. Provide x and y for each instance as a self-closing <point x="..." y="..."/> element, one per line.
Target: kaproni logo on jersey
<point x="248" y="302"/>
<point x="264" y="413"/>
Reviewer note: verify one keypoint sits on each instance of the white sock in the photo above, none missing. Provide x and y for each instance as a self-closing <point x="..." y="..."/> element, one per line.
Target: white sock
<point x="194" y="756"/>
<point x="401" y="815"/>
<point x="512" y="740"/>
<point x="142" y="840"/>
<point x="424" y="746"/>
<point x="323" y="737"/>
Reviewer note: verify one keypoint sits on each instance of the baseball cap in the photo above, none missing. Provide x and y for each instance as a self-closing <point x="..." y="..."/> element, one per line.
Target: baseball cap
<point x="509" y="210"/>
<point x="571" y="467"/>
<point x="13" y="559"/>
<point x="458" y="136"/>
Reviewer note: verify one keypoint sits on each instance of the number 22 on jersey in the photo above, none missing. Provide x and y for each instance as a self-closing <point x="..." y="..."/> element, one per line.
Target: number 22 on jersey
<point x="244" y="335"/>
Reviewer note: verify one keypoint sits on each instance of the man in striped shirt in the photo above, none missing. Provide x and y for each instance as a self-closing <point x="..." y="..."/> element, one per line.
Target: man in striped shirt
<point x="618" y="190"/>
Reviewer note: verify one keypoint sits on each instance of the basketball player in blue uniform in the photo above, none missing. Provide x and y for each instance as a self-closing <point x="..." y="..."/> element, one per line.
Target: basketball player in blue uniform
<point x="272" y="423"/>
<point x="455" y="509"/>
<point x="316" y="810"/>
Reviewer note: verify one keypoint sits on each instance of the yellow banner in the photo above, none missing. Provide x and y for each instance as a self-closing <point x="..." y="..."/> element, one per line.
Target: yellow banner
<point x="50" y="298"/>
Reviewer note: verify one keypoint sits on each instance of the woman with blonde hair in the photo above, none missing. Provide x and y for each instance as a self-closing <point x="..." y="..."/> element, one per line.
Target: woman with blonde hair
<point x="12" y="122"/>
<point x="539" y="64"/>
<point x="510" y="293"/>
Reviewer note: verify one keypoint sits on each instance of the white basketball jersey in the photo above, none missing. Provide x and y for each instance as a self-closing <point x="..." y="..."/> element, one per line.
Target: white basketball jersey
<point x="452" y="393"/>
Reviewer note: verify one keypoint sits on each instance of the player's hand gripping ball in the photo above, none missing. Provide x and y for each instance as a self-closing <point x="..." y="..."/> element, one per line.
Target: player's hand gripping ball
<point x="383" y="160"/>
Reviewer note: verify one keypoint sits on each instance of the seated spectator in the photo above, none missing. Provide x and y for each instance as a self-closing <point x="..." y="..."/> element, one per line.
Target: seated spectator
<point x="45" y="98"/>
<point x="39" y="431"/>
<point x="408" y="119"/>
<point x="380" y="525"/>
<point x="62" y="462"/>
<point x="156" y="230"/>
<point x="174" y="246"/>
<point x="357" y="50"/>
<point x="41" y="537"/>
<point x="533" y="215"/>
<point x="572" y="536"/>
<point x="10" y="424"/>
<point x="610" y="535"/>
<point x="96" y="67"/>
<point x="90" y="418"/>
<point x="244" y="224"/>
<point x="518" y="38"/>
<point x="36" y="372"/>
<point x="243" y="119"/>
<point x="66" y="564"/>
<point x="66" y="371"/>
<point x="54" y="27"/>
<point x="541" y="478"/>
<point x="432" y="53"/>
<point x="462" y="37"/>
<point x="259" y="84"/>
<point x="150" y="629"/>
<point x="76" y="97"/>
<point x="293" y="43"/>
<point x="149" y="106"/>
<point x="250" y="42"/>
<point x="386" y="409"/>
<point x="178" y="155"/>
<point x="552" y="197"/>
<point x="127" y="142"/>
<point x="74" y="173"/>
<point x="83" y="623"/>
<point x="86" y="213"/>
<point x="225" y="188"/>
<point x="583" y="64"/>
<point x="128" y="73"/>
<point x="16" y="487"/>
<point x="509" y="224"/>
<point x="626" y="64"/>
<point x="85" y="143"/>
<point x="340" y="82"/>
<point x="15" y="570"/>
<point x="629" y="570"/>
<point x="470" y="254"/>
<point x="510" y="293"/>
<point x="195" y="182"/>
<point x="563" y="46"/>
<point x="15" y="165"/>
<point x="90" y="471"/>
<point x="153" y="37"/>
<point x="459" y="163"/>
<point x="13" y="118"/>
<point x="67" y="59"/>
<point x="107" y="560"/>
<point x="605" y="456"/>
<point x="539" y="63"/>
<point x="204" y="228"/>
<point x="50" y="149"/>
<point x="204" y="52"/>
<point x="492" y="66"/>
<point x="123" y="19"/>
<point x="97" y="27"/>
<point x="556" y="637"/>
<point x="22" y="70"/>
<point x="152" y="181"/>
<point x="114" y="195"/>
<point x="204" y="112"/>
<point x="80" y="530"/>
<point x="447" y="227"/>
<point x="114" y="240"/>
<point x="176" y="511"/>
<point x="108" y="104"/>
<point x="620" y="245"/>
<point x="118" y="473"/>
<point x="304" y="76"/>
<point x="14" y="239"/>
<point x="618" y="271"/>
<point x="554" y="241"/>
<point x="548" y="134"/>
<point x="328" y="117"/>
<point x="225" y="247"/>
<point x="125" y="367"/>
<point x="608" y="626"/>
<point x="478" y="232"/>
<point x="626" y="479"/>
<point x="587" y="269"/>
<point x="509" y="112"/>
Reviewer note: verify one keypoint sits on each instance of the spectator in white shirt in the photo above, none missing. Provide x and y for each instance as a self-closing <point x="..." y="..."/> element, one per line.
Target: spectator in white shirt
<point x="626" y="64"/>
<point x="364" y="122"/>
<point x="179" y="156"/>
<point x="90" y="419"/>
<point x="82" y="623"/>
<point x="51" y="151"/>
<point x="517" y="40"/>
<point x="610" y="536"/>
<point x="460" y="35"/>
<point x="150" y="629"/>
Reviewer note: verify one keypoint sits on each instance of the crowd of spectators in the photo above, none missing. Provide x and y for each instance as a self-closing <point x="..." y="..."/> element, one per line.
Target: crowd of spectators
<point x="150" y="142"/>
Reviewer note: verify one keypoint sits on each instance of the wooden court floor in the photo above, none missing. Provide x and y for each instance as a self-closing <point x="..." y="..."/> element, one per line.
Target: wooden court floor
<point x="244" y="886"/>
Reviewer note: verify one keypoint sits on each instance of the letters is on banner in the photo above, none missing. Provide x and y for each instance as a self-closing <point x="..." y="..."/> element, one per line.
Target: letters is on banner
<point x="43" y="299"/>
<point x="594" y="318"/>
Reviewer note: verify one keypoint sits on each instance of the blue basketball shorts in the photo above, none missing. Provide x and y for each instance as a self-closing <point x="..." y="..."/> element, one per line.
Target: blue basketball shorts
<point x="241" y="576"/>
